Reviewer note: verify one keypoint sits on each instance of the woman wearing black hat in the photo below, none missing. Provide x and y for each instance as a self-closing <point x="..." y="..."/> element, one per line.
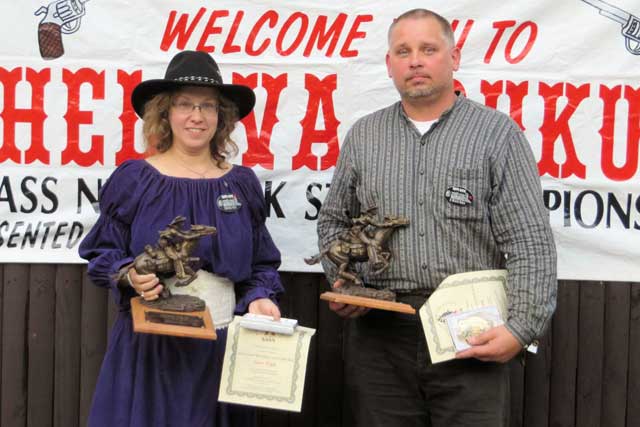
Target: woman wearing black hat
<point x="154" y="380"/>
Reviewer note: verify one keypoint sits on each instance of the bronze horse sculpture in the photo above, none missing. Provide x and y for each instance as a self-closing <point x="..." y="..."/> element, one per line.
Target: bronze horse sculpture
<point x="171" y="257"/>
<point x="365" y="241"/>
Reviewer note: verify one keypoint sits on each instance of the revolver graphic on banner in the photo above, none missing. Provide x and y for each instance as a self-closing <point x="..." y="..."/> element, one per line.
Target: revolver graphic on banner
<point x="60" y="17"/>
<point x="630" y="23"/>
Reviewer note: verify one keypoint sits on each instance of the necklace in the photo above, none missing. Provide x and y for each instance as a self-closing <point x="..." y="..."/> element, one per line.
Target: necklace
<point x="184" y="166"/>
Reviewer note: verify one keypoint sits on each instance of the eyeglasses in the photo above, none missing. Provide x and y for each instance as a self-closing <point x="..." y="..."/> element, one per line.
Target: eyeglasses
<point x="187" y="107"/>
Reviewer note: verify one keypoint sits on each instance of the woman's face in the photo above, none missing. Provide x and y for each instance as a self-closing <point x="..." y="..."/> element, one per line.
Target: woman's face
<point x="193" y="117"/>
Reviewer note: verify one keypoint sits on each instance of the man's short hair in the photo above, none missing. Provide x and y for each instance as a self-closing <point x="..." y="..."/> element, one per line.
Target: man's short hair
<point x="447" y="31"/>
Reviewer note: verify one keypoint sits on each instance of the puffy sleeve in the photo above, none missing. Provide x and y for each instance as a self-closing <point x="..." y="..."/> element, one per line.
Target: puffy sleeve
<point x="264" y="280"/>
<point x="106" y="247"/>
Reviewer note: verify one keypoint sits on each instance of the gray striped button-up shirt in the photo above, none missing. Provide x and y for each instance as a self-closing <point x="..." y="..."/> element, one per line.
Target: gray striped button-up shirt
<point x="483" y="156"/>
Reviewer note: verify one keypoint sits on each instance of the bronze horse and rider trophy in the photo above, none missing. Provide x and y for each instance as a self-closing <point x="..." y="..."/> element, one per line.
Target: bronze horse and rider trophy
<point x="366" y="241"/>
<point x="170" y="259"/>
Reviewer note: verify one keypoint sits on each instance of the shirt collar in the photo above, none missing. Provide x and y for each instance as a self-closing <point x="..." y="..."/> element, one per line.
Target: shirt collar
<point x="459" y="100"/>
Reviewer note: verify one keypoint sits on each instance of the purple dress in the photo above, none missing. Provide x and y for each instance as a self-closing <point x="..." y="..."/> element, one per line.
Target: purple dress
<point x="153" y="380"/>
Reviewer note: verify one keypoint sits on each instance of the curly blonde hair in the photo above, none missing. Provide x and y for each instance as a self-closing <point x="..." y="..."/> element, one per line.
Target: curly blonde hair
<point x="157" y="132"/>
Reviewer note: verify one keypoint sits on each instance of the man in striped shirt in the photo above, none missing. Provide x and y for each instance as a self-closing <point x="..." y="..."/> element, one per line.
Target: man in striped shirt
<point x="465" y="177"/>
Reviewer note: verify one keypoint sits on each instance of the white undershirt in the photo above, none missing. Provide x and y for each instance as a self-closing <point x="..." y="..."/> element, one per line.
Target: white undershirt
<point x="422" y="127"/>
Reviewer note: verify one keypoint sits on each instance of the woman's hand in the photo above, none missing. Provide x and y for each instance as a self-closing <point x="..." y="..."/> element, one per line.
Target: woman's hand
<point x="265" y="306"/>
<point x="146" y="285"/>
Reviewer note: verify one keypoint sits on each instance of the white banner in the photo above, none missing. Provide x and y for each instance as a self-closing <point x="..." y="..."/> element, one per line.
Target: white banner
<point x="567" y="72"/>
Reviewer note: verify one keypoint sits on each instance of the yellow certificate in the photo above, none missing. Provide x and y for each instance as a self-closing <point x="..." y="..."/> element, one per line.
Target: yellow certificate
<point x="458" y="293"/>
<point x="265" y="369"/>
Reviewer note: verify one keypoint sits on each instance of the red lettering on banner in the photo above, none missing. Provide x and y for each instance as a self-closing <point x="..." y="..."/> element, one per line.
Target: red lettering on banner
<point x="465" y="31"/>
<point x="557" y="126"/>
<point x="211" y="29"/>
<point x="128" y="118"/>
<point x="179" y="30"/>
<point x="320" y="93"/>
<point x="610" y="97"/>
<point x="229" y="47"/>
<point x="258" y="143"/>
<point x="34" y="115"/>
<point x="533" y="34"/>
<point x="459" y="87"/>
<point x="501" y="27"/>
<point x="289" y="37"/>
<point x="270" y="17"/>
<point x="319" y="125"/>
<point x="354" y="34"/>
<point x="515" y="92"/>
<point x="76" y="117"/>
<point x="321" y="36"/>
<point x="304" y="25"/>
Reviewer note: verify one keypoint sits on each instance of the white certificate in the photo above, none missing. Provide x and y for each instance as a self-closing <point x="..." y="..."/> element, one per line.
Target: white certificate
<point x="458" y="293"/>
<point x="265" y="369"/>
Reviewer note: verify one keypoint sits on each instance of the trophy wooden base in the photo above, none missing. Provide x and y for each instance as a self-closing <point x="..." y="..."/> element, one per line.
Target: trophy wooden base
<point x="141" y="324"/>
<point x="368" y="302"/>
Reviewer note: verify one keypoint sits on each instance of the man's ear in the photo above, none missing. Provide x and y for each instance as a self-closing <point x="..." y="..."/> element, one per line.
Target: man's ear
<point x="387" y="59"/>
<point x="455" y="58"/>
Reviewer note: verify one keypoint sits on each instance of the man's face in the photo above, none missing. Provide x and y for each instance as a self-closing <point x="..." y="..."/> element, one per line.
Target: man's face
<point x="420" y="60"/>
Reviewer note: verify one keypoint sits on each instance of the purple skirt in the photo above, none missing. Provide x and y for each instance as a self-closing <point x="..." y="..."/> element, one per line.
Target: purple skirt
<point x="156" y="381"/>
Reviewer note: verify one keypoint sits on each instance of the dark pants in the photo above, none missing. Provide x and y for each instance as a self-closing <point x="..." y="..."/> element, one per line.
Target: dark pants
<point x="390" y="380"/>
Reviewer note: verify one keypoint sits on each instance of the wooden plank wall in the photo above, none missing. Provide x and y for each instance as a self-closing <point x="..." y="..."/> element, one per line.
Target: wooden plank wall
<point x="54" y="326"/>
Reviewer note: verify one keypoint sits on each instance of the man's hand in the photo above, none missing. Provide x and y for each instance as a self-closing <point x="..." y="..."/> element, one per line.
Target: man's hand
<point x="495" y="345"/>
<point x="346" y="310"/>
<point x="266" y="307"/>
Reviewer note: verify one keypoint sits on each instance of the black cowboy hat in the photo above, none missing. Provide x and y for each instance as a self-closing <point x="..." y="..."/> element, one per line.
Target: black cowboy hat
<point x="193" y="68"/>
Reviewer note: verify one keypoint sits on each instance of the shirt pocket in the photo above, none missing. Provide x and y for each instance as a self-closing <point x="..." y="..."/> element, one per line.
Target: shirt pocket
<point x="460" y="195"/>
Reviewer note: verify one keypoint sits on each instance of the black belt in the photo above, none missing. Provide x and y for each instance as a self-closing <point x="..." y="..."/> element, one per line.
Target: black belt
<point x="414" y="297"/>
